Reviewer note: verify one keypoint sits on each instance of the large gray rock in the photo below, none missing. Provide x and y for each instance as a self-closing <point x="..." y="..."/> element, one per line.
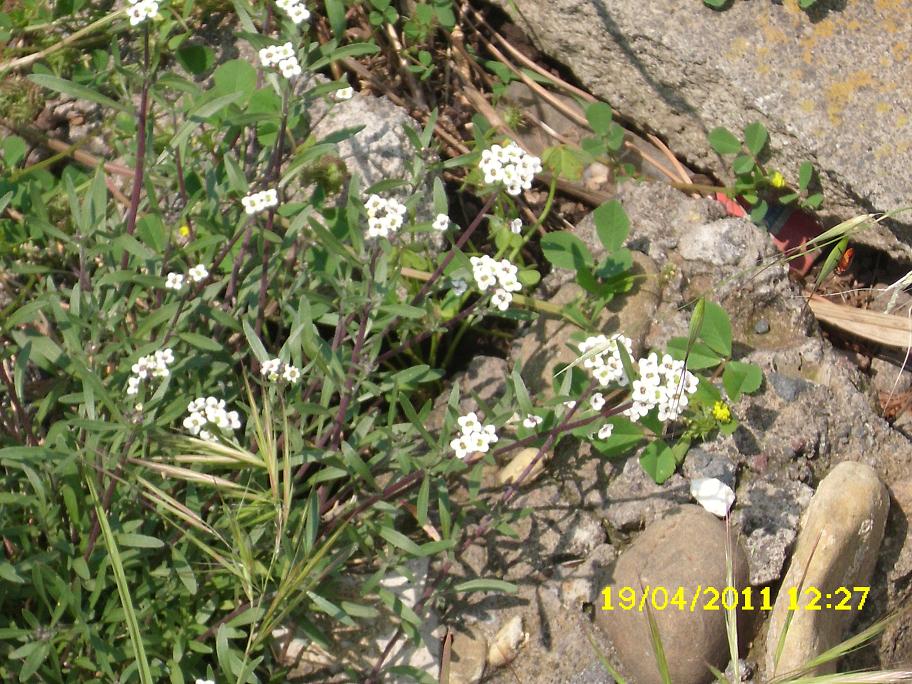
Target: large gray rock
<point x="826" y="83"/>
<point x="837" y="548"/>
<point x="685" y="550"/>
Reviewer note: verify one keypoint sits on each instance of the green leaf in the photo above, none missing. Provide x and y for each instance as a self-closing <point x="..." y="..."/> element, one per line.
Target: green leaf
<point x="743" y="164"/>
<point x="123" y="588"/>
<point x="78" y="91"/>
<point x="564" y="161"/>
<point x="698" y="354"/>
<point x="716" y="329"/>
<point x="424" y="494"/>
<point x="723" y="141"/>
<point x="235" y="76"/>
<point x="565" y="250"/>
<point x="196" y="59"/>
<point x="832" y="260"/>
<point x="741" y="377"/>
<point x="755" y="137"/>
<point x="259" y="351"/>
<point x="139" y="541"/>
<point x="487" y="585"/>
<point x="599" y="116"/>
<point x="758" y="212"/>
<point x="13" y="148"/>
<point x="805" y="174"/>
<point x="200" y="341"/>
<point x="400" y="540"/>
<point x="658" y="461"/>
<point x="814" y="201"/>
<point x="611" y="224"/>
<point x="624" y="436"/>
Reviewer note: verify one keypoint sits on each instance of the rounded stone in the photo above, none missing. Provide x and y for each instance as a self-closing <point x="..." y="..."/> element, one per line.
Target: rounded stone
<point x="837" y="548"/>
<point x="684" y="553"/>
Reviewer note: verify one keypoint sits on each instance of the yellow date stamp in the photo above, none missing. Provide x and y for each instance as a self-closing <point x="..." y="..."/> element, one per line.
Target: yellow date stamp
<point x="692" y="599"/>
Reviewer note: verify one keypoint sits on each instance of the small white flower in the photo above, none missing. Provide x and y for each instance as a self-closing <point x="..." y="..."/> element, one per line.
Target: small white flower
<point x="132" y="385"/>
<point x="713" y="494"/>
<point x="291" y="374"/>
<point x="516" y="226"/>
<point x="268" y="56"/>
<point x="605" y="431"/>
<point x="270" y="368"/>
<point x="198" y="273"/>
<point x="461" y="446"/>
<point x="344" y="94"/>
<point x="570" y="404"/>
<point x="469" y="422"/>
<point x="501" y="299"/>
<point x="597" y="401"/>
<point x="206" y="681"/>
<point x="442" y="222"/>
<point x="297" y="13"/>
<point x="174" y="281"/>
<point x="290" y="67"/>
<point x="532" y="421"/>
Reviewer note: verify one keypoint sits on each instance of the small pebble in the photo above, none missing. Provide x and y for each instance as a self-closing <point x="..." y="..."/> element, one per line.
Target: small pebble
<point x="762" y="327"/>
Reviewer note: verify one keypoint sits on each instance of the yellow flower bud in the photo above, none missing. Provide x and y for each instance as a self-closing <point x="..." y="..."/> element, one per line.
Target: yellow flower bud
<point x="777" y="180"/>
<point x="184" y="231"/>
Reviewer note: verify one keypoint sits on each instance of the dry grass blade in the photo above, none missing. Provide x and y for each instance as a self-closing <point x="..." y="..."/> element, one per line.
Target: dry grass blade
<point x="893" y="331"/>
<point x="191" y="475"/>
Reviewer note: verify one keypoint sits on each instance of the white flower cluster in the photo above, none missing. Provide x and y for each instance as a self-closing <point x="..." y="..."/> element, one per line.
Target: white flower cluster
<point x="151" y="366"/>
<point x="210" y="413"/>
<point x="282" y="56"/>
<point x="475" y="436"/>
<point x="294" y="9"/>
<point x="509" y="165"/>
<point x="175" y="281"/>
<point x="272" y="368"/>
<point x="666" y="384"/>
<point x="140" y="10"/>
<point x="441" y="222"/>
<point x="384" y="216"/>
<point x="499" y="274"/>
<point x="258" y="201"/>
<point x="606" y="366"/>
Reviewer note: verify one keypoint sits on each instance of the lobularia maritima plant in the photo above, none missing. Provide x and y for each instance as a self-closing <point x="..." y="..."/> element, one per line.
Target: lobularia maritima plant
<point x="218" y="378"/>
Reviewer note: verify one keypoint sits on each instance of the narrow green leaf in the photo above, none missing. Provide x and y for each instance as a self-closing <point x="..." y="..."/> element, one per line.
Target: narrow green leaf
<point x="487" y="585"/>
<point x="424" y="494"/>
<point x="399" y="540"/>
<point x="81" y="92"/>
<point x="259" y="351"/>
<point x="123" y="589"/>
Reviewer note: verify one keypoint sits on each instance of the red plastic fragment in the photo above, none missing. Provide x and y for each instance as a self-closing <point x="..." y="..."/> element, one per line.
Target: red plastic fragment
<point x="789" y="227"/>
